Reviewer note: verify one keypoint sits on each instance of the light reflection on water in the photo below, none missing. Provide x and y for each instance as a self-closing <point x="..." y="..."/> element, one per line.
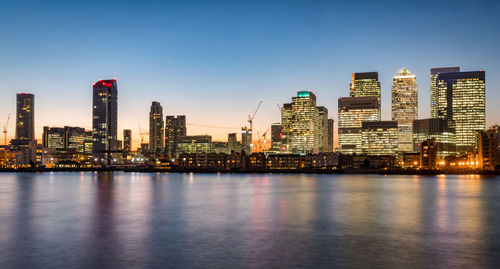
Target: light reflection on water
<point x="131" y="220"/>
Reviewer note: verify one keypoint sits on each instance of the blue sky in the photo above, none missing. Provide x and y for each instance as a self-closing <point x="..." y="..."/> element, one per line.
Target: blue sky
<point x="214" y="60"/>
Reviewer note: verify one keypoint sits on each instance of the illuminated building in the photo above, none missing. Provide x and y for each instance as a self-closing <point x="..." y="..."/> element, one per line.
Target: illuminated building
<point x="323" y="129"/>
<point x="379" y="137"/>
<point x="276" y="137"/>
<point x="53" y="138"/>
<point x="405" y="107"/>
<point x="365" y="84"/>
<point x="127" y="140"/>
<point x="65" y="139"/>
<point x="156" y="128"/>
<point x="194" y="144"/>
<point x="286" y="127"/>
<point x="104" y="118"/>
<point x="353" y="111"/>
<point x="246" y="140"/>
<point x="433" y="86"/>
<point x="488" y="152"/>
<point x="25" y="116"/>
<point x="461" y="101"/>
<point x="437" y="129"/>
<point x="305" y="134"/>
<point x="428" y="154"/>
<point x="175" y="127"/>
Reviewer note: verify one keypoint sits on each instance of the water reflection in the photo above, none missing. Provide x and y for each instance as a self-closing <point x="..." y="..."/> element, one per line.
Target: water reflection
<point x="120" y="220"/>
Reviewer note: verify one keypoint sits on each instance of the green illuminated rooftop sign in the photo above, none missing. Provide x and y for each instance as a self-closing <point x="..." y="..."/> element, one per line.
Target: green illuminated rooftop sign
<point x="303" y="94"/>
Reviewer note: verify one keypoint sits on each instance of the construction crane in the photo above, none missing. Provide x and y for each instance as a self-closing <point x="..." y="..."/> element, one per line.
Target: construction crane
<point x="279" y="107"/>
<point x="5" y="130"/>
<point x="250" y="118"/>
<point x="142" y="134"/>
<point x="261" y="145"/>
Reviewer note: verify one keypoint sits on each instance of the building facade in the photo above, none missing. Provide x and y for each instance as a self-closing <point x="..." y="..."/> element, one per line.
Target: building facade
<point x="127" y="140"/>
<point x="306" y="135"/>
<point x="104" y="119"/>
<point x="175" y="127"/>
<point x="353" y="111"/>
<point x="405" y="107"/>
<point x="461" y="101"/>
<point x="433" y="86"/>
<point x="194" y="144"/>
<point x="366" y="84"/>
<point x="437" y="129"/>
<point x="379" y="137"/>
<point x="323" y="129"/>
<point x="156" y="128"/>
<point x="25" y="116"/>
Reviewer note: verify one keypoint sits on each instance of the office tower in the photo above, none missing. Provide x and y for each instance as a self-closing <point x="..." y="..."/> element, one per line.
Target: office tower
<point x="194" y="144"/>
<point x="488" y="154"/>
<point x="353" y="111"/>
<point x="232" y="142"/>
<point x="156" y="128"/>
<point x="434" y="96"/>
<point x="276" y="137"/>
<point x="331" y="134"/>
<point x="379" y="137"/>
<point x="68" y="139"/>
<point x="437" y="129"/>
<point x="246" y="140"/>
<point x="461" y="101"/>
<point x="104" y="120"/>
<point x="127" y="140"/>
<point x="25" y="116"/>
<point x="405" y="107"/>
<point x="365" y="84"/>
<point x="305" y="135"/>
<point x="323" y="128"/>
<point x="175" y="127"/>
<point x="286" y="127"/>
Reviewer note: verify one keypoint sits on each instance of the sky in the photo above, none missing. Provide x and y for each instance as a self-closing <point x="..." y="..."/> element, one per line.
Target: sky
<point x="214" y="60"/>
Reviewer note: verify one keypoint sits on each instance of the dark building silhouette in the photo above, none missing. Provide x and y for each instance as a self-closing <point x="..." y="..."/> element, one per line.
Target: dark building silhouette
<point x="127" y="140"/>
<point x="104" y="121"/>
<point x="25" y="116"/>
<point x="156" y="131"/>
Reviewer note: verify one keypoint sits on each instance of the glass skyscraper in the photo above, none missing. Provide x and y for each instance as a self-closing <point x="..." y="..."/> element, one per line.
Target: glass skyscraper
<point x="433" y="86"/>
<point x="405" y="107"/>
<point x="104" y="118"/>
<point x="175" y="127"/>
<point x="461" y="101"/>
<point x="365" y="84"/>
<point x="25" y="116"/>
<point x="353" y="111"/>
<point x="379" y="137"/>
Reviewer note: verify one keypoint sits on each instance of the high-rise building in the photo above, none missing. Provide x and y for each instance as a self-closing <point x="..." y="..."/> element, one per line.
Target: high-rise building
<point x="323" y="128"/>
<point x="175" y="127"/>
<point x="365" y="84"/>
<point x="286" y="127"/>
<point x="461" y="101"/>
<point x="305" y="136"/>
<point x="437" y="129"/>
<point x="331" y="134"/>
<point x="246" y="140"/>
<point x="232" y="142"/>
<point x="127" y="140"/>
<point x="405" y="107"/>
<point x="104" y="118"/>
<point x="379" y="137"/>
<point x="69" y="139"/>
<point x="276" y="137"/>
<point x="353" y="111"/>
<point x="156" y="130"/>
<point x="434" y="95"/>
<point x="25" y="116"/>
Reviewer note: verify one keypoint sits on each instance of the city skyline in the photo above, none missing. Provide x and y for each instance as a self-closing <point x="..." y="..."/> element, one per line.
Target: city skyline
<point x="303" y="50"/>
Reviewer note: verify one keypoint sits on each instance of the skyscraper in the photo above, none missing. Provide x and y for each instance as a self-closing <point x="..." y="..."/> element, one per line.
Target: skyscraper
<point x="156" y="130"/>
<point x="353" y="111"/>
<point x="379" y="137"/>
<point x="405" y="107"/>
<point x="175" y="127"/>
<point x="461" y="101"/>
<point x="434" y="95"/>
<point x="305" y="135"/>
<point x="365" y="84"/>
<point x="276" y="137"/>
<point x="232" y="142"/>
<point x="437" y="129"/>
<point x="104" y="118"/>
<point x="25" y="116"/>
<point x="246" y="139"/>
<point x="331" y="134"/>
<point x="286" y="127"/>
<point x="127" y="140"/>
<point x="323" y="128"/>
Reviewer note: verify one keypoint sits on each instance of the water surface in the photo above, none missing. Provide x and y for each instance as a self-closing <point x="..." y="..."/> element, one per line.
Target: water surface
<point x="149" y="220"/>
